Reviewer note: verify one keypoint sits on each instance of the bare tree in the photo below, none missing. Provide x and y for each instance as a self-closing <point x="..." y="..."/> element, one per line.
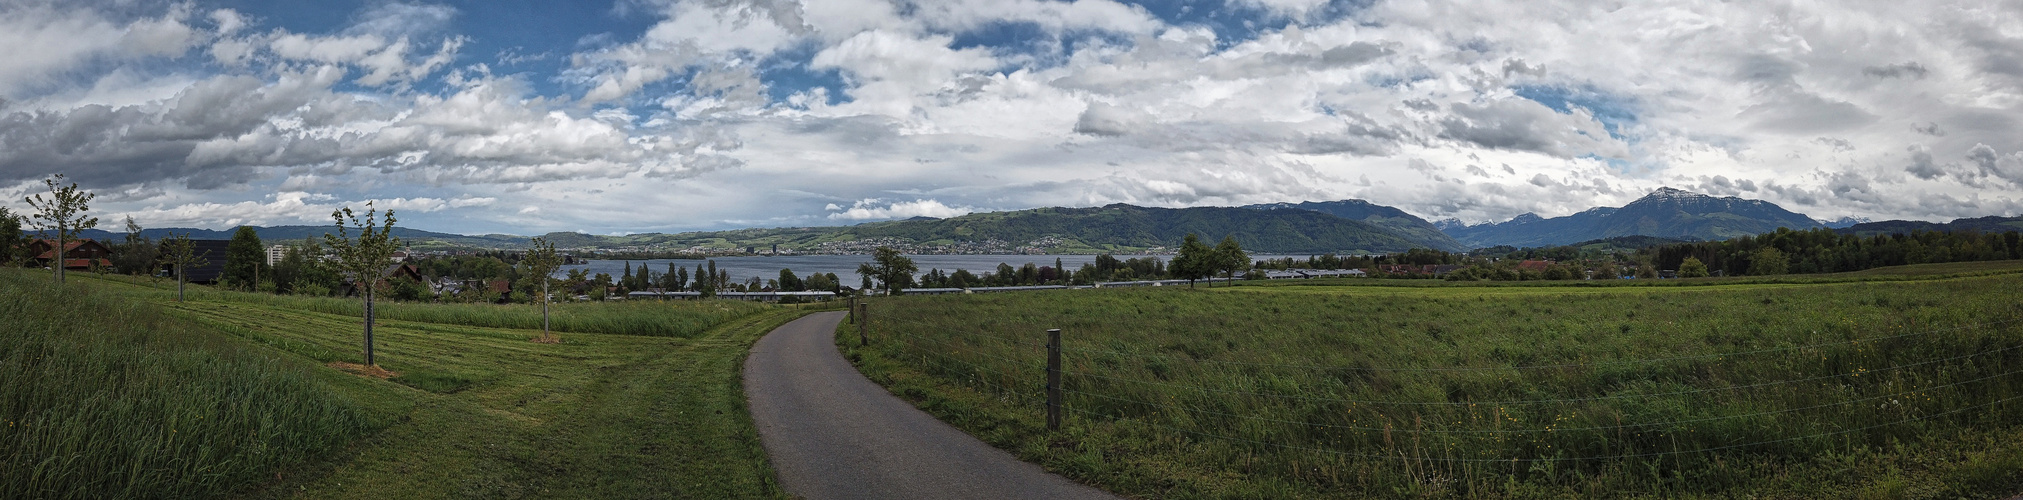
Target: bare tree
<point x="63" y="211"/>
<point x="541" y="263"/>
<point x="179" y="252"/>
<point x="363" y="259"/>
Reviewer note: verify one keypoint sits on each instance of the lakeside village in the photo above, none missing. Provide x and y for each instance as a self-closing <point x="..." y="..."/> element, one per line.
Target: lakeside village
<point x="473" y="275"/>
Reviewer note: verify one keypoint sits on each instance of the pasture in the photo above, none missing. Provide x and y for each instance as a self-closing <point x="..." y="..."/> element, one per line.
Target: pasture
<point x="1887" y="384"/>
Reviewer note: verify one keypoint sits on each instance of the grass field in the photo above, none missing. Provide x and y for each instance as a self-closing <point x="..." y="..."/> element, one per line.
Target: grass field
<point x="107" y="398"/>
<point x="1899" y="384"/>
<point x="475" y="412"/>
<point x="666" y="319"/>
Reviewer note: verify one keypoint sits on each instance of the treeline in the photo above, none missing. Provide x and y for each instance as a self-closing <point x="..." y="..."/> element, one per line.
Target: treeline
<point x="1105" y="268"/>
<point x="1413" y="257"/>
<point x="1826" y="251"/>
<point x="706" y="279"/>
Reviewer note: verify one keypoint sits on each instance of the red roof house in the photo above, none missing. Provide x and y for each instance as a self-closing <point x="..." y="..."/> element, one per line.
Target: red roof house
<point x="77" y="254"/>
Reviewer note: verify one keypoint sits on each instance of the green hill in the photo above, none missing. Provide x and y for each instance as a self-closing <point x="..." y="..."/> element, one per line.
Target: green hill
<point x="1120" y="227"/>
<point x="1422" y="234"/>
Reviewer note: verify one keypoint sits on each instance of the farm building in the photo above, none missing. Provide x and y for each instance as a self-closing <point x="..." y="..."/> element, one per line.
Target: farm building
<point x="1314" y="273"/>
<point x="210" y="257"/>
<point x="77" y="254"/>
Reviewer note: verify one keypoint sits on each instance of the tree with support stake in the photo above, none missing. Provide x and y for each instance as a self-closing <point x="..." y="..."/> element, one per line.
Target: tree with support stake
<point x="177" y="251"/>
<point x="541" y="262"/>
<point x="364" y="258"/>
<point x="63" y="211"/>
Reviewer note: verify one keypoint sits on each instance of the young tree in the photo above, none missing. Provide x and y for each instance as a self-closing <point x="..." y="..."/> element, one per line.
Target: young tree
<point x="136" y="255"/>
<point x="244" y="257"/>
<point x="1230" y="258"/>
<point x="891" y="269"/>
<point x="680" y="277"/>
<point x="63" y="211"/>
<point x="1195" y="260"/>
<point x="1692" y="268"/>
<point x="542" y="261"/>
<point x="179" y="252"/>
<point x="363" y="258"/>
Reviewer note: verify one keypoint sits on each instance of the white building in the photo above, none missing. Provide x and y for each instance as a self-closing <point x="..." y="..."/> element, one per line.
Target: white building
<point x="275" y="253"/>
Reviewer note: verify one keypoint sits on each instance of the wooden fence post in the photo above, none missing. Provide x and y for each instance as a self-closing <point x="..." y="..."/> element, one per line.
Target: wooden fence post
<point x="864" y="324"/>
<point x="1054" y="379"/>
<point x="853" y="308"/>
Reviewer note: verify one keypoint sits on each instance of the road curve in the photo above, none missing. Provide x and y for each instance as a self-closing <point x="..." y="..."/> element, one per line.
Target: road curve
<point x="834" y="434"/>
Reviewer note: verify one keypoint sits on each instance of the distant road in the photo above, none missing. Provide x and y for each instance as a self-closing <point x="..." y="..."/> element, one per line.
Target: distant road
<point x="833" y="434"/>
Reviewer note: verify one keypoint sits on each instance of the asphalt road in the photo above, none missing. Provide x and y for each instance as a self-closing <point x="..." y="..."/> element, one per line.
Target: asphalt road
<point x="834" y="434"/>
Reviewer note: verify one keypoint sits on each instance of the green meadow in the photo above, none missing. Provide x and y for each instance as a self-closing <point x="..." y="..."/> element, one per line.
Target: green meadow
<point x="117" y="390"/>
<point x="1896" y="383"/>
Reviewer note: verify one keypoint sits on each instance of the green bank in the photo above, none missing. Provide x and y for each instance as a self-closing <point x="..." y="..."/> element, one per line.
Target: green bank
<point x="115" y="389"/>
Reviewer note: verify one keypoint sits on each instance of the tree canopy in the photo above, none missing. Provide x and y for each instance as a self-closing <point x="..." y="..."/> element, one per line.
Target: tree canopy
<point x="244" y="259"/>
<point x="893" y="271"/>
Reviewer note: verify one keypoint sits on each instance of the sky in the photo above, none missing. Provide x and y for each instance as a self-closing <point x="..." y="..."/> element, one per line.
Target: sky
<point x="524" y="117"/>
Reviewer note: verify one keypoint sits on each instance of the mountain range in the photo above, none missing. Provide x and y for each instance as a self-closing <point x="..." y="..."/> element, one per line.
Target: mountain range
<point x="1667" y="212"/>
<point x="1307" y="227"/>
<point x="1993" y="224"/>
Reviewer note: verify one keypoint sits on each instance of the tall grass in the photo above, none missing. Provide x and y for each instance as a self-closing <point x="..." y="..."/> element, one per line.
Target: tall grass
<point x="652" y="318"/>
<point x="1458" y="392"/>
<point x="104" y="397"/>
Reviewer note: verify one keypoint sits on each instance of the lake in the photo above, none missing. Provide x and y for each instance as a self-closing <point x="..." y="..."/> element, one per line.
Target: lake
<point x="844" y="266"/>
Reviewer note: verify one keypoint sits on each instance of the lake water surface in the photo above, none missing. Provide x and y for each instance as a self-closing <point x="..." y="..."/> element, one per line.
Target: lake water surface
<point x="844" y="266"/>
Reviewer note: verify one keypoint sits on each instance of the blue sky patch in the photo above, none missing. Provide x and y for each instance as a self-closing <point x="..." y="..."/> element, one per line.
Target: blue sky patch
<point x="1612" y="110"/>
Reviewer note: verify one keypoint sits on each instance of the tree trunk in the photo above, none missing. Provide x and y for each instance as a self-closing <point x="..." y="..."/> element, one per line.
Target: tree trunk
<point x="544" y="311"/>
<point x="368" y="326"/>
<point x="60" y="240"/>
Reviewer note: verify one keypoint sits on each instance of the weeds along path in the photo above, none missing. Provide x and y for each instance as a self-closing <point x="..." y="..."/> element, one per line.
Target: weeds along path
<point x="834" y="434"/>
<point x="485" y="413"/>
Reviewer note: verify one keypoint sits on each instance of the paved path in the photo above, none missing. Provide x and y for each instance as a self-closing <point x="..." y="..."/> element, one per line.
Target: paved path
<point x="834" y="434"/>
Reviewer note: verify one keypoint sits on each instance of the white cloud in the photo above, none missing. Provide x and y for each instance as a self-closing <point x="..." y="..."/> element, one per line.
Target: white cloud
<point x="289" y="207"/>
<point x="870" y="209"/>
<point x="1475" y="109"/>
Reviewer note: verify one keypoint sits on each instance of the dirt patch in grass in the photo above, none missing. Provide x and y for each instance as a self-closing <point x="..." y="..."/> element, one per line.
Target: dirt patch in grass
<point x="361" y="370"/>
